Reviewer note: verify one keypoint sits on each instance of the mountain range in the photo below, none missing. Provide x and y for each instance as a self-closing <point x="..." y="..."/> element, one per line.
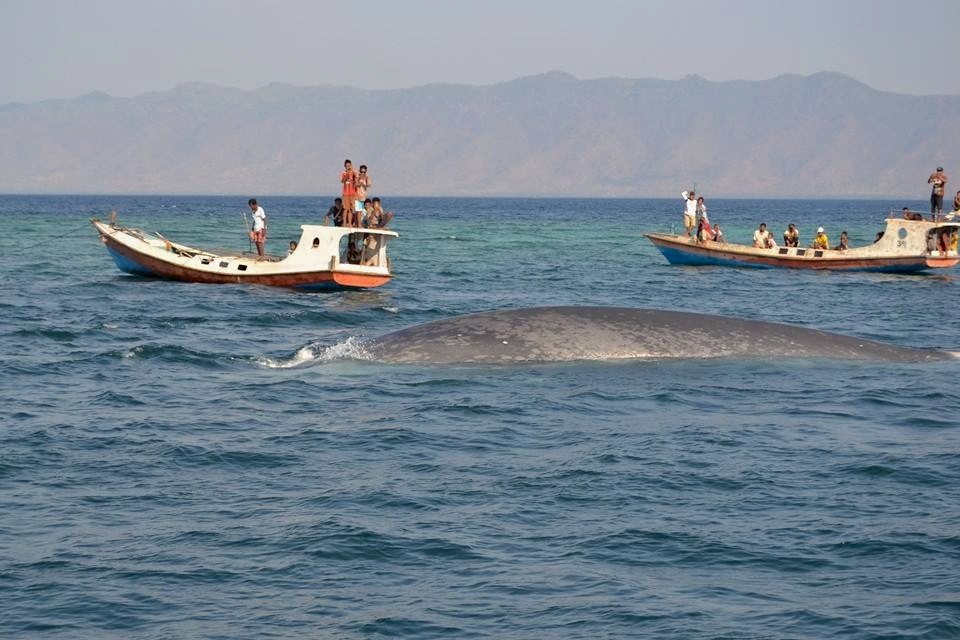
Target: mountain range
<point x="824" y="134"/>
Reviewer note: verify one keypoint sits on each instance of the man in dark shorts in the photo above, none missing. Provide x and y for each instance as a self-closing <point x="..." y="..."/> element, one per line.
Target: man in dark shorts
<point x="939" y="181"/>
<point x="336" y="213"/>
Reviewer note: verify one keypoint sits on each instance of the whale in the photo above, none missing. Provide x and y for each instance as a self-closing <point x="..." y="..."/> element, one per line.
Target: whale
<point x="570" y="333"/>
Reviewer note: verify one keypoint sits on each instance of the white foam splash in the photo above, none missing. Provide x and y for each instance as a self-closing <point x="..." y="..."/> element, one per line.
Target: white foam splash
<point x="391" y="309"/>
<point x="350" y="349"/>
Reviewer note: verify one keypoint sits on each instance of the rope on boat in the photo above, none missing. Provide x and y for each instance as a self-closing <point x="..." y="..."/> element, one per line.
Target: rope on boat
<point x="72" y="231"/>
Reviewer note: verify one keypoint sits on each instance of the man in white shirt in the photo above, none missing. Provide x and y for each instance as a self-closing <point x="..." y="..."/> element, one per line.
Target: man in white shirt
<point x="761" y="236"/>
<point x="690" y="214"/>
<point x="259" y="232"/>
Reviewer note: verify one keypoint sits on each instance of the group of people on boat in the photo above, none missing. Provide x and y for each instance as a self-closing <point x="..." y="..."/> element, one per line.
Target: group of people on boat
<point x="763" y="239"/>
<point x="353" y="209"/>
<point x="695" y="215"/>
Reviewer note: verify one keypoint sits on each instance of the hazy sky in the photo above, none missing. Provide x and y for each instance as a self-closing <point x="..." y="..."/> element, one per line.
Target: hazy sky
<point x="64" y="48"/>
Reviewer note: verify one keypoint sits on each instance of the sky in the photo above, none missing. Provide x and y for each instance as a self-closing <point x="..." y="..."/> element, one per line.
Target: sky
<point x="66" y="48"/>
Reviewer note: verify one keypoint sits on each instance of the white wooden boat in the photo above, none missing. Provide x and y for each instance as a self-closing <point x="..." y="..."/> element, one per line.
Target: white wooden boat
<point x="906" y="246"/>
<point x="320" y="261"/>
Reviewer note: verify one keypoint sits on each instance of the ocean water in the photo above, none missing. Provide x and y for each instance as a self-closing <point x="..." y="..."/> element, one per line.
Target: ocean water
<point x="214" y="461"/>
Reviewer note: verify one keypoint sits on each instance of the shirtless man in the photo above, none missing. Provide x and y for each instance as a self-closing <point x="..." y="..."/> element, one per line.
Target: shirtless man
<point x="939" y="181"/>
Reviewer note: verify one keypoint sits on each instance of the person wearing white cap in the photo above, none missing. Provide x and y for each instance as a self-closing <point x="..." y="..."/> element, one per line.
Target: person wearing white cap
<point x="821" y="241"/>
<point x="939" y="181"/>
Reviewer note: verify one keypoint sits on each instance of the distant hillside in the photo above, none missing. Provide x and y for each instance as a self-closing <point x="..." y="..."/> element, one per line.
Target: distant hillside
<point x="552" y="134"/>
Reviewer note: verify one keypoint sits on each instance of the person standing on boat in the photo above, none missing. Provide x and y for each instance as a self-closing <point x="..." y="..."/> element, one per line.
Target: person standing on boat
<point x="791" y="237"/>
<point x="363" y="183"/>
<point x="939" y="181"/>
<point x="348" y="178"/>
<point x="259" y="232"/>
<point x="690" y="213"/>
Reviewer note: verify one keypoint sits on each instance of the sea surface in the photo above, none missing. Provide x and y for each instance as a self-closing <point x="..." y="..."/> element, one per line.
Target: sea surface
<point x="215" y="461"/>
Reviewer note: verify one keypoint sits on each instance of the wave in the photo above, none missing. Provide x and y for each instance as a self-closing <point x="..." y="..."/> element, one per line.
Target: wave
<point x="171" y="353"/>
<point x="350" y="349"/>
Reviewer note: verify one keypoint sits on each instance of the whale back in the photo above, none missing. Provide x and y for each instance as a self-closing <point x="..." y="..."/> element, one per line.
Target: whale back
<point x="551" y="334"/>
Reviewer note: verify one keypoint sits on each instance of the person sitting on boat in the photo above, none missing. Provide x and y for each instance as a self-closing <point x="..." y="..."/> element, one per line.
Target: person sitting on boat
<point x="718" y="234"/>
<point x="377" y="218"/>
<point x="944" y="241"/>
<point x="760" y="236"/>
<point x="690" y="212"/>
<point x="821" y="241"/>
<point x="351" y="254"/>
<point x="704" y="230"/>
<point x="259" y="232"/>
<point x="366" y="212"/>
<point x="293" y="247"/>
<point x="956" y="208"/>
<point x="381" y="217"/>
<point x="844" y="242"/>
<point x="335" y="213"/>
<point x="770" y="243"/>
<point x="911" y="215"/>
<point x="791" y="237"/>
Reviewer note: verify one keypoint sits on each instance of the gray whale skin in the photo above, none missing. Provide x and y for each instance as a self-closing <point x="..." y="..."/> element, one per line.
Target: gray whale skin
<point x="556" y="334"/>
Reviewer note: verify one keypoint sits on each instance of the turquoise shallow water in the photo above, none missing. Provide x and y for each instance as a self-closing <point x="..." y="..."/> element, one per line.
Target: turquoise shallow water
<point x="199" y="461"/>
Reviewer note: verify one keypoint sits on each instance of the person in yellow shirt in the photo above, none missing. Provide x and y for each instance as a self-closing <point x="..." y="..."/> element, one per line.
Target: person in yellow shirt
<point x="821" y="241"/>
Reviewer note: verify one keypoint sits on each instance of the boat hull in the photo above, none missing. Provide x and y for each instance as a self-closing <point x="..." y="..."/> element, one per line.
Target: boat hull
<point x="698" y="255"/>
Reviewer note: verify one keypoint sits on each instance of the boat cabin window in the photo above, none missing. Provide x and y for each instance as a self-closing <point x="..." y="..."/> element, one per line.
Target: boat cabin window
<point x="818" y="254"/>
<point x="205" y="260"/>
<point x="224" y="264"/>
<point x="316" y="242"/>
<point x="902" y="233"/>
<point x="784" y="251"/>
<point x="241" y="267"/>
<point x="801" y="252"/>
